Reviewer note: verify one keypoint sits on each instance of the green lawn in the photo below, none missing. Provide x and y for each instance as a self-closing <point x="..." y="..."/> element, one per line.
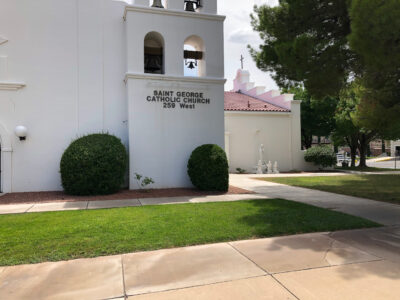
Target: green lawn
<point x="384" y="188"/>
<point x="54" y="236"/>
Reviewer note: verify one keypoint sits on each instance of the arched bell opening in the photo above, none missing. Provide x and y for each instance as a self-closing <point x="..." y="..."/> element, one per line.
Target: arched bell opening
<point x="194" y="57"/>
<point x="154" y="53"/>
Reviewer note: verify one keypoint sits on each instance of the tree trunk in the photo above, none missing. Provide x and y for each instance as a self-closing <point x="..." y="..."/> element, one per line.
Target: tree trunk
<point x="353" y="153"/>
<point x="307" y="141"/>
<point x="362" y="147"/>
<point x="352" y="142"/>
<point x="383" y="147"/>
<point x="363" y="157"/>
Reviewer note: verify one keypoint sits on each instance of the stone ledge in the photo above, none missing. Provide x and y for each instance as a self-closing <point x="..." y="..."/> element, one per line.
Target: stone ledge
<point x="173" y="12"/>
<point x="11" y="86"/>
<point x="211" y="80"/>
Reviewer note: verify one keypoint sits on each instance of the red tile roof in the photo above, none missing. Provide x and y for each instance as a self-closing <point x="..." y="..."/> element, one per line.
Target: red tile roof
<point x="240" y="102"/>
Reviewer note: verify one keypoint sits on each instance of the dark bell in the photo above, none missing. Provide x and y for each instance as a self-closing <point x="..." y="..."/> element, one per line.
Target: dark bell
<point x="190" y="6"/>
<point x="191" y="65"/>
<point x="153" y="64"/>
<point x="157" y="4"/>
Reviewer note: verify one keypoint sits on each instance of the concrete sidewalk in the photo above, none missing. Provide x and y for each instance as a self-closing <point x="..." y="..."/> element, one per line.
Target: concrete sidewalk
<point x="83" y="205"/>
<point x="360" y="264"/>
<point x="380" y="212"/>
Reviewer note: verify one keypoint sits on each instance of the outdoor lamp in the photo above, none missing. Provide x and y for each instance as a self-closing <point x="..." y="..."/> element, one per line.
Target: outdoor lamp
<point x="157" y="4"/>
<point x="190" y="5"/>
<point x="21" y="132"/>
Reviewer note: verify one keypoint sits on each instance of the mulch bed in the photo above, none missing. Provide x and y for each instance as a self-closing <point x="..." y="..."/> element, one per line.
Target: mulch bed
<point x="41" y="197"/>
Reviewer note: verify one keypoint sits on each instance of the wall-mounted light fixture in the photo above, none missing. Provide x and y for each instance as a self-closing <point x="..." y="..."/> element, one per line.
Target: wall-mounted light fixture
<point x="21" y="132"/>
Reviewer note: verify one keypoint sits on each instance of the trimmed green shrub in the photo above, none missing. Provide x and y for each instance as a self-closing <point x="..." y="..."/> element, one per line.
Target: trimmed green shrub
<point x="208" y="168"/>
<point x="95" y="164"/>
<point x="321" y="156"/>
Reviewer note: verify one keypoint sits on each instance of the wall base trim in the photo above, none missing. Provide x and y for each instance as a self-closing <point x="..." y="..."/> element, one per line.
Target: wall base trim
<point x="11" y="86"/>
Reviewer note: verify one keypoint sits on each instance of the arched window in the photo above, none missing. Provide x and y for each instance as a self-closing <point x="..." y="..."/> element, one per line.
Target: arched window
<point x="194" y="57"/>
<point x="154" y="53"/>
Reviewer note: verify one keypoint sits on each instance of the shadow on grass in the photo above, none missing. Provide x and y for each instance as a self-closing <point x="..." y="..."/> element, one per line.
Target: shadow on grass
<point x="283" y="217"/>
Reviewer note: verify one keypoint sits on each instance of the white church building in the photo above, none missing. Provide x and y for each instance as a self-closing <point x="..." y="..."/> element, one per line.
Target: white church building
<point x="257" y="119"/>
<point x="71" y="68"/>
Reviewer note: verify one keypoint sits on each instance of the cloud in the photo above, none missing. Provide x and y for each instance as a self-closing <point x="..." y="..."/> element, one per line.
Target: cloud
<point x="243" y="36"/>
<point x="239" y="34"/>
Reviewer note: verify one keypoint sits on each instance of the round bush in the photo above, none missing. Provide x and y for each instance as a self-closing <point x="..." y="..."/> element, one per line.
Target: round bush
<point x="322" y="156"/>
<point x="94" y="165"/>
<point x="208" y="168"/>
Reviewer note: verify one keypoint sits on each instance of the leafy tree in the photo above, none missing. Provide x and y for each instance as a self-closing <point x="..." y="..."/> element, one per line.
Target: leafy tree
<point x="325" y="45"/>
<point x="347" y="131"/>
<point x="306" y="42"/>
<point x="375" y="37"/>
<point x="317" y="116"/>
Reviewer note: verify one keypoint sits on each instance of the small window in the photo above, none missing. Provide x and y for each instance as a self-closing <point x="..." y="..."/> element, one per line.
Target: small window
<point x="154" y="53"/>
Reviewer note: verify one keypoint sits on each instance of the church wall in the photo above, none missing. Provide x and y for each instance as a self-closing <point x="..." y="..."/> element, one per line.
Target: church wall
<point x="246" y="131"/>
<point x="162" y="137"/>
<point x="72" y="57"/>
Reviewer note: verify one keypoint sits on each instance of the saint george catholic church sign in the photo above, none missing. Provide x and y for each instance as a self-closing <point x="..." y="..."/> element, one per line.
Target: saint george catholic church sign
<point x="182" y="100"/>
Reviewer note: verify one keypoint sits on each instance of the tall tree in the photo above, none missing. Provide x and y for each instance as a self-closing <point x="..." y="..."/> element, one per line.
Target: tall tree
<point x="317" y="116"/>
<point x="347" y="130"/>
<point x="327" y="44"/>
<point x="306" y="42"/>
<point x="375" y="37"/>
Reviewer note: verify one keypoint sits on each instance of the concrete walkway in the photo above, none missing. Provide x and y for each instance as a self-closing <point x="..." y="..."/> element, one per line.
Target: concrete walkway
<point x="83" y="205"/>
<point x="360" y="264"/>
<point x="380" y="212"/>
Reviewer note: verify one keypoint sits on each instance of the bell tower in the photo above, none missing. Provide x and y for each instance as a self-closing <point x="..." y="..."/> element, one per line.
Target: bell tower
<point x="175" y="85"/>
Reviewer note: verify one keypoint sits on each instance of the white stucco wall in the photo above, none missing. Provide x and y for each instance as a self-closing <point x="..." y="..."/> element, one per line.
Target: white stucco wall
<point x="278" y="132"/>
<point x="62" y="70"/>
<point x="162" y="139"/>
<point x="71" y="56"/>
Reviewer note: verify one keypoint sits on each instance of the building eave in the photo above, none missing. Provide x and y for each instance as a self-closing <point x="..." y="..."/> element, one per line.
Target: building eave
<point x="243" y="112"/>
<point x="205" y="80"/>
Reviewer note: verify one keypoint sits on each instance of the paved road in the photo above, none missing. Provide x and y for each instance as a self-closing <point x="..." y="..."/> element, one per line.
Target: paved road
<point x="384" y="164"/>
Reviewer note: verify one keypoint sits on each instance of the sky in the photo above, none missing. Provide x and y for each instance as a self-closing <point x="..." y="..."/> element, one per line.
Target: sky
<point x="239" y="34"/>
